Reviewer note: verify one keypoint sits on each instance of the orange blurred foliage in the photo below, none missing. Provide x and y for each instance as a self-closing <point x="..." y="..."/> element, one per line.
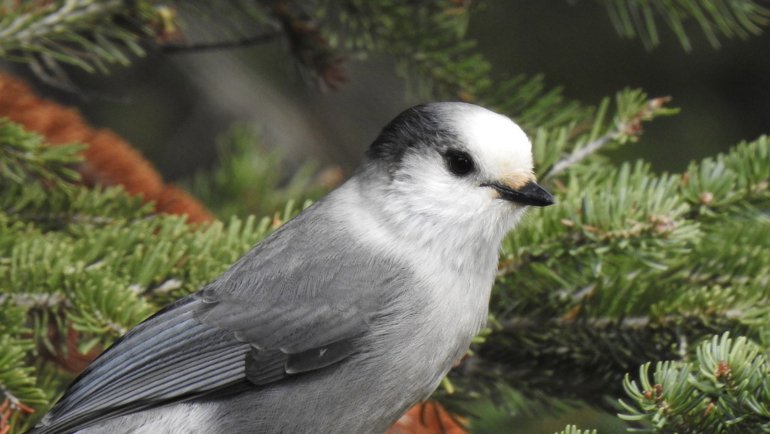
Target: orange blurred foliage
<point x="109" y="160"/>
<point x="429" y="417"/>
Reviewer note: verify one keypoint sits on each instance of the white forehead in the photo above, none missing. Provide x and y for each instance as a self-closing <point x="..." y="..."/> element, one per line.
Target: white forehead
<point x="499" y="144"/>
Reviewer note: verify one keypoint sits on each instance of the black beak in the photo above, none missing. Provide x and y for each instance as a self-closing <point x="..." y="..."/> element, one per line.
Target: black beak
<point x="529" y="194"/>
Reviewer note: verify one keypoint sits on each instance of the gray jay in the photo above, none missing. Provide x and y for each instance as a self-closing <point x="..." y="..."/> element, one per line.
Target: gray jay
<point x="347" y="315"/>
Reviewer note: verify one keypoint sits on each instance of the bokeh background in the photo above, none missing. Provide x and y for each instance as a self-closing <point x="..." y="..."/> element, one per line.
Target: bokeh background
<point x="173" y="107"/>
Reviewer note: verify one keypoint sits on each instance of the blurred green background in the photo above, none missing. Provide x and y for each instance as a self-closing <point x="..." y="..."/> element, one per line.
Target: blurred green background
<point x="173" y="107"/>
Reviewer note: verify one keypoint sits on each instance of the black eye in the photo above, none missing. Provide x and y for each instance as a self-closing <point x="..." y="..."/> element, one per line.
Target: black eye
<point x="458" y="162"/>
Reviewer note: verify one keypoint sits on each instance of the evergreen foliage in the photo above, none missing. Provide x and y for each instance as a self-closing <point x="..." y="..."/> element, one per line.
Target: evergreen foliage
<point x="572" y="429"/>
<point x="85" y="33"/>
<point x="93" y="260"/>
<point x="250" y="180"/>
<point x="715" y="18"/>
<point x="725" y="389"/>
<point x="630" y="268"/>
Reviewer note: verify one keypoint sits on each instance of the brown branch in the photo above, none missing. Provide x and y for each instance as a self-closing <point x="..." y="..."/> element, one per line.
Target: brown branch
<point x="221" y="45"/>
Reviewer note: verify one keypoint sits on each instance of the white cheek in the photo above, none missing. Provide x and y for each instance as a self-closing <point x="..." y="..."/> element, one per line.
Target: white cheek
<point x="438" y="193"/>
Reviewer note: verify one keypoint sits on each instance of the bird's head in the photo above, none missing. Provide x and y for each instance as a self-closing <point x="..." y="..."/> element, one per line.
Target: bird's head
<point x="454" y="163"/>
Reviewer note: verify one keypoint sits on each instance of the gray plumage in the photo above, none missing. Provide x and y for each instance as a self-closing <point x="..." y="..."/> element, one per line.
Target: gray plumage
<point x="338" y="322"/>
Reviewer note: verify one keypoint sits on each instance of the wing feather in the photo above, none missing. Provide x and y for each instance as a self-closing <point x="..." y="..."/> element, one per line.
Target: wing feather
<point x="200" y="347"/>
<point x="261" y="321"/>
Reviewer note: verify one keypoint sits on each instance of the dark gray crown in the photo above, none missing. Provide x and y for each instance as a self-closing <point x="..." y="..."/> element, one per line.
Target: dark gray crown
<point x="422" y="126"/>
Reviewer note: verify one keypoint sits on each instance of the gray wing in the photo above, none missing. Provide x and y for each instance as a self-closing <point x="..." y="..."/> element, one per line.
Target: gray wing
<point x="250" y="328"/>
<point x="287" y="339"/>
<point x="201" y="346"/>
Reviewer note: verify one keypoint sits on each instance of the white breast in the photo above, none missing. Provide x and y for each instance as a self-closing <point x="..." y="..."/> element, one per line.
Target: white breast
<point x="454" y="273"/>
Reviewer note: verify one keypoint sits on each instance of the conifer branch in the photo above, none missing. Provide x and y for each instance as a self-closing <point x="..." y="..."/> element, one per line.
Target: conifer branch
<point x="716" y="18"/>
<point x="248" y="180"/>
<point x="591" y="355"/>
<point x="98" y="285"/>
<point x="725" y="389"/>
<point x="107" y="160"/>
<point x="24" y="157"/>
<point x="572" y="429"/>
<point x="86" y="33"/>
<point x="628" y="126"/>
<point x="426" y="39"/>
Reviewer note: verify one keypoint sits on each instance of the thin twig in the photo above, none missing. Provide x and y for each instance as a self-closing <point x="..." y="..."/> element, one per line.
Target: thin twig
<point x="519" y="324"/>
<point x="581" y="154"/>
<point x="54" y="76"/>
<point x="33" y="300"/>
<point x="206" y="46"/>
<point x="12" y="403"/>
<point x="631" y="126"/>
<point x="61" y="218"/>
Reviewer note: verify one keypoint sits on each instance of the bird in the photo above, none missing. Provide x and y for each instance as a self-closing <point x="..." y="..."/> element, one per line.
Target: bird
<point x="344" y="317"/>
